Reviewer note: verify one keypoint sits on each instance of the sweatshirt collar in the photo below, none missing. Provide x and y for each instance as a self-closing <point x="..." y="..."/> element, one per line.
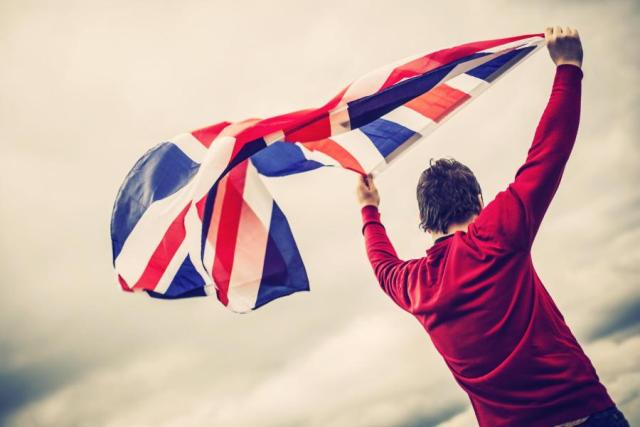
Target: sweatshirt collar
<point x="443" y="238"/>
<point x="440" y="244"/>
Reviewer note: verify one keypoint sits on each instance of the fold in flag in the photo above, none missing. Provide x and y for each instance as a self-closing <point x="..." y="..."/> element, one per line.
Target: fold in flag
<point x="194" y="218"/>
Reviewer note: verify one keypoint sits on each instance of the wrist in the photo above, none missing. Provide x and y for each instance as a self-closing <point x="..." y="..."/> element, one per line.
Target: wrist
<point x="368" y="204"/>
<point x="574" y="62"/>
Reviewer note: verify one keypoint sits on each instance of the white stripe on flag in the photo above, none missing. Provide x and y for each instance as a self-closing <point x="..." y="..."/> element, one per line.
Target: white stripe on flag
<point x="273" y="137"/>
<point x="148" y="233"/>
<point x="367" y="85"/>
<point x="360" y="147"/>
<point x="172" y="269"/>
<point x="466" y="83"/>
<point x="373" y="81"/>
<point x="339" y="120"/>
<point x="193" y="227"/>
<point x="317" y="156"/>
<point x="518" y="43"/>
<point x="408" y="118"/>
<point x="463" y="67"/>
<point x="190" y="146"/>
<point x="213" y="164"/>
<point x="257" y="196"/>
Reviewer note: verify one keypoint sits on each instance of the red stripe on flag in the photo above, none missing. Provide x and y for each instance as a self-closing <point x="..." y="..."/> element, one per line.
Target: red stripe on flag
<point x="123" y="284"/>
<point x="218" y="204"/>
<point x="438" y="102"/>
<point x="291" y="122"/>
<point x="250" y="250"/>
<point x="208" y="134"/>
<point x="227" y="230"/>
<point x="318" y="127"/>
<point x="337" y="152"/>
<point x="200" y="205"/>
<point x="163" y="254"/>
<point x="434" y="60"/>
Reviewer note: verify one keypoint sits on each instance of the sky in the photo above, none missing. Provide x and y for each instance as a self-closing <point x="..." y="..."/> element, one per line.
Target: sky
<point x="86" y="87"/>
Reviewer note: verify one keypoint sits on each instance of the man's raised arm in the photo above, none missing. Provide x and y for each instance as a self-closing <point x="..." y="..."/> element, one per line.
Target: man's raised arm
<point x="520" y="210"/>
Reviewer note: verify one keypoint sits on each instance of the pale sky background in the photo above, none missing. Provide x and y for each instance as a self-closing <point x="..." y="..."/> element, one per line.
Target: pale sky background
<point x="86" y="87"/>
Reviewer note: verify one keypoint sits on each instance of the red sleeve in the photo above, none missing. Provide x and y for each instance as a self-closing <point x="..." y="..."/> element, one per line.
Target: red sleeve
<point x="392" y="273"/>
<point x="514" y="216"/>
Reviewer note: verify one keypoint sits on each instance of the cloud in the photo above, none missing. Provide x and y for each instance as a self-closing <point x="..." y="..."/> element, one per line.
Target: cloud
<point x="463" y="419"/>
<point x="619" y="371"/>
<point x="337" y="372"/>
<point x="160" y="388"/>
<point x="623" y="319"/>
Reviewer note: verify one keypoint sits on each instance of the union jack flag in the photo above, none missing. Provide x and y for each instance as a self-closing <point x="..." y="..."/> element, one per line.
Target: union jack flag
<point x="194" y="217"/>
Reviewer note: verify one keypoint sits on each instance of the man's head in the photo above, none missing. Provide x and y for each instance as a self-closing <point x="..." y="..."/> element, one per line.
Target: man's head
<point x="448" y="193"/>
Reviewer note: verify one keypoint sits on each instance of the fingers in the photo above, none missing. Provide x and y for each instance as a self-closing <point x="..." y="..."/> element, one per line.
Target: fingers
<point x="552" y="33"/>
<point x="366" y="178"/>
<point x="366" y="181"/>
<point x="370" y="182"/>
<point x="557" y="31"/>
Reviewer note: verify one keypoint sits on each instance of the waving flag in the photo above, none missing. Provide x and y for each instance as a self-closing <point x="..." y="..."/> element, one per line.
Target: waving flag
<point x="194" y="218"/>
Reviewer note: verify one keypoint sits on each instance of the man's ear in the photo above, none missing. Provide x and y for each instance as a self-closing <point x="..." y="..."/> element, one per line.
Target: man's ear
<point x="481" y="201"/>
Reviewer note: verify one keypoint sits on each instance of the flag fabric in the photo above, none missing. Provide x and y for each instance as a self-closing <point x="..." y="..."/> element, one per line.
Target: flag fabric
<point x="194" y="217"/>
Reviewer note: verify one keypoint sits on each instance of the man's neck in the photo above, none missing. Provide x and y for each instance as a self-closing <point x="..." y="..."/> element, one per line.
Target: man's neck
<point x="453" y="228"/>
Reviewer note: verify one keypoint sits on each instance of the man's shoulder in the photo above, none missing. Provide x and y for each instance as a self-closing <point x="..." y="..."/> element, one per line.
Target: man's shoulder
<point x="501" y="224"/>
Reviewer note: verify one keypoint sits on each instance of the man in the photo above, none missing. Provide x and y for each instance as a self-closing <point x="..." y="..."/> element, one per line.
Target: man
<point x="477" y="293"/>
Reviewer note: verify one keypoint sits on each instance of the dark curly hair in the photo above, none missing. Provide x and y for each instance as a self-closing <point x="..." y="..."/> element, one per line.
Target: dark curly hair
<point x="447" y="194"/>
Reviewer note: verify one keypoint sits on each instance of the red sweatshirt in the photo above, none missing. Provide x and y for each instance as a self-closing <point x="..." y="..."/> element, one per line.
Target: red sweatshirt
<point x="480" y="300"/>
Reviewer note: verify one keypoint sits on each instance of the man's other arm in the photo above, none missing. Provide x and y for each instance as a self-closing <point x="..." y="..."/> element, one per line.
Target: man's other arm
<point x="391" y="272"/>
<point x="516" y="214"/>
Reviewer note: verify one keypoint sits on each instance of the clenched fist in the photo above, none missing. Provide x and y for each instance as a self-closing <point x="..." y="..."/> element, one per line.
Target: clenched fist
<point x="367" y="192"/>
<point x="564" y="45"/>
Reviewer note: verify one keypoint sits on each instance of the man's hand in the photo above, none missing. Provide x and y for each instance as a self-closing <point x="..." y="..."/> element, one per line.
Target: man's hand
<point x="564" y="45"/>
<point x="367" y="192"/>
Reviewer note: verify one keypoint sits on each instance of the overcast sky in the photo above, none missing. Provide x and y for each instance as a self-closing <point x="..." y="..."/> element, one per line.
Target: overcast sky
<point x="86" y="87"/>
